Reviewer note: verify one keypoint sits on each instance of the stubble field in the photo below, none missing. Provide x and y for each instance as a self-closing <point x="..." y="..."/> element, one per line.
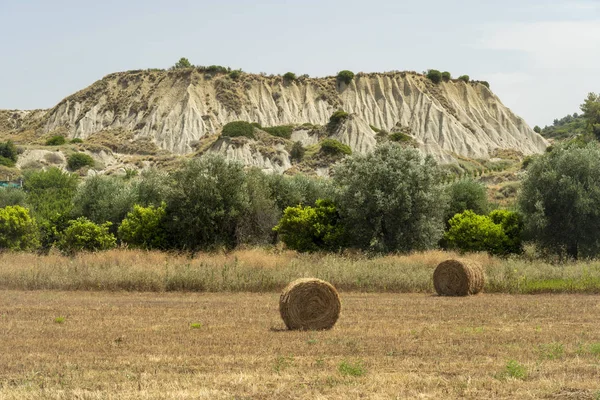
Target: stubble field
<point x="125" y="345"/>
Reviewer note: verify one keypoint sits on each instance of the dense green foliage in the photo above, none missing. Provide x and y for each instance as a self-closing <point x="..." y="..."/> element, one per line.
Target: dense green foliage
<point x="512" y="225"/>
<point x="434" y="75"/>
<point x="76" y="161"/>
<point x="18" y="231"/>
<point x="500" y="233"/>
<point x="205" y="202"/>
<point x="345" y="76"/>
<point x="238" y="128"/>
<point x="50" y="197"/>
<point x="336" y="119"/>
<point x="390" y="199"/>
<point x="591" y="113"/>
<point x="311" y="228"/>
<point x="235" y="74"/>
<point x="144" y="227"/>
<point x="560" y="199"/>
<point x="464" y="78"/>
<point x="182" y="63"/>
<point x="255" y="225"/>
<point x="12" y="197"/>
<point x="50" y="193"/>
<point x="446" y="76"/>
<point x="8" y="154"/>
<point x="466" y="194"/>
<point x="297" y="152"/>
<point x="472" y="232"/>
<point x="76" y="140"/>
<point x="284" y="131"/>
<point x="102" y="198"/>
<point x="56" y="141"/>
<point x="335" y="148"/>
<point x="400" y="137"/>
<point x="84" y="235"/>
<point x="566" y="127"/>
<point x="290" y="191"/>
<point x="289" y="77"/>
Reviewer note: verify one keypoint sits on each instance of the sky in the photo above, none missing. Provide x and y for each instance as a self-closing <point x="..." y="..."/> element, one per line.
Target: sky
<point x="540" y="57"/>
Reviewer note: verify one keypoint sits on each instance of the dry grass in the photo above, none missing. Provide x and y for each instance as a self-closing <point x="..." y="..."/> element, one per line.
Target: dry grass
<point x="132" y="345"/>
<point x="257" y="270"/>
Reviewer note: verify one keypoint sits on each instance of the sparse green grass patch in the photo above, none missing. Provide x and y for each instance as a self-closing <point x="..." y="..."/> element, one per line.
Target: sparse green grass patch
<point x="355" y="369"/>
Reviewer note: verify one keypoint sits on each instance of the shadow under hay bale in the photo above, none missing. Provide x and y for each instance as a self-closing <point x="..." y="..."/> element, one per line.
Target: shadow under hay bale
<point x="458" y="278"/>
<point x="309" y="304"/>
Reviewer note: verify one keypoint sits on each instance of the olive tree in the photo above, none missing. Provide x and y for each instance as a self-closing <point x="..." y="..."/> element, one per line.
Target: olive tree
<point x="391" y="199"/>
<point x="560" y="200"/>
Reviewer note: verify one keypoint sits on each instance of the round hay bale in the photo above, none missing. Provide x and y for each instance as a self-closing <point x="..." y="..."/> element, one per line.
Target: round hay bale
<point x="458" y="278"/>
<point x="309" y="304"/>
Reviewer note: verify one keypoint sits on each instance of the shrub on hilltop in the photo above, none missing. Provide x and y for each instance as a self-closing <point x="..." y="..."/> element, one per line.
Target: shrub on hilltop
<point x="345" y="76"/>
<point x="434" y="75"/>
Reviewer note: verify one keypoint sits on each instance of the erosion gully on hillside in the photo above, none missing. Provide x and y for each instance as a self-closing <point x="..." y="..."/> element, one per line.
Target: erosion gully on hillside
<point x="91" y="345"/>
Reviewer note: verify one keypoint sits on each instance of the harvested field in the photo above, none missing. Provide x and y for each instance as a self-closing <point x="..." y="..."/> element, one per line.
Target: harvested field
<point x="96" y="345"/>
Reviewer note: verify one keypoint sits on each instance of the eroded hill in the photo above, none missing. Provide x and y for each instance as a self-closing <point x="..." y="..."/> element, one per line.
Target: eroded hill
<point x="157" y="113"/>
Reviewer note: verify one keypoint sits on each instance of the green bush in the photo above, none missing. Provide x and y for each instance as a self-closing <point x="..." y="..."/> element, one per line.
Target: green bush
<point x="290" y="191"/>
<point x="238" y="128"/>
<point x="470" y="232"/>
<point x="334" y="147"/>
<point x="144" y="227"/>
<point x="76" y="140"/>
<point x="283" y="131"/>
<point x="255" y="226"/>
<point x="235" y="74"/>
<point x="8" y="154"/>
<point x="297" y="152"/>
<point x="206" y="200"/>
<point x="485" y="83"/>
<point x="434" y="75"/>
<point x="345" y="76"/>
<point x="500" y="233"/>
<point x="56" y="141"/>
<point x="289" y="77"/>
<point x="400" y="137"/>
<point x="311" y="228"/>
<point x="512" y="225"/>
<point x="446" y="76"/>
<point x="84" y="235"/>
<point x="182" y="63"/>
<point x="390" y="199"/>
<point x="537" y="129"/>
<point x="77" y="161"/>
<point x="466" y="194"/>
<point x="464" y="78"/>
<point x="217" y="69"/>
<point x="337" y="118"/>
<point x="12" y="196"/>
<point x="50" y="196"/>
<point x="104" y="198"/>
<point x="18" y="231"/>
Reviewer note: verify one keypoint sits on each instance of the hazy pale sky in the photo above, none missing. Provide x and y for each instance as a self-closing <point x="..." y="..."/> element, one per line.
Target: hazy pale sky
<point x="540" y="57"/>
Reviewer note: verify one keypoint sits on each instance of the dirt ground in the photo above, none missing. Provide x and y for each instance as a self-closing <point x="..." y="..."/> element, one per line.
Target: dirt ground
<point x="102" y="345"/>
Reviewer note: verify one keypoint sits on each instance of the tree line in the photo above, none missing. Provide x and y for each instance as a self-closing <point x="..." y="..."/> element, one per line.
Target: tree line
<point x="391" y="200"/>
